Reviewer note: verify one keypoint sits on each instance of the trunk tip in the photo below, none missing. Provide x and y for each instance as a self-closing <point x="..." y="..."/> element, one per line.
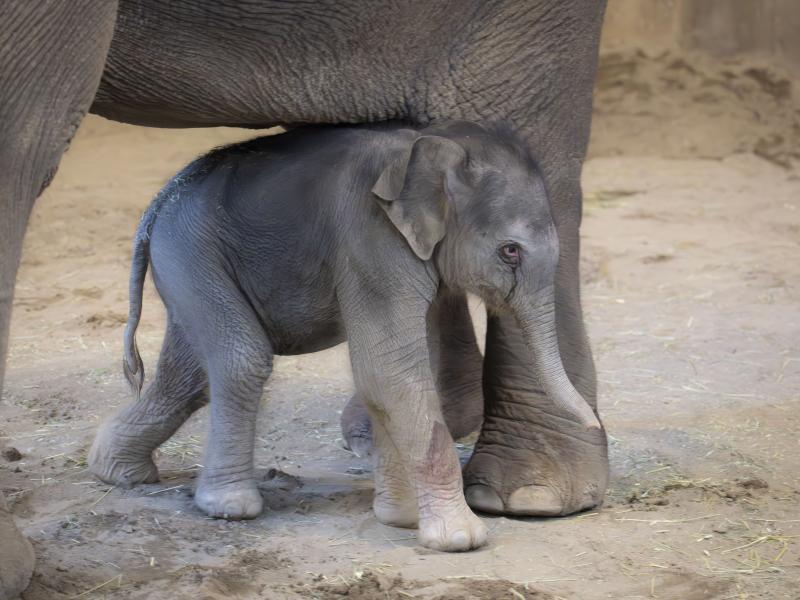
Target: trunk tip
<point x="593" y="426"/>
<point x="589" y="420"/>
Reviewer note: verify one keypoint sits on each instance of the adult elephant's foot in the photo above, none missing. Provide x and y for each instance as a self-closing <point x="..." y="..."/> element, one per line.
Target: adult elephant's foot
<point x="453" y="528"/>
<point x="558" y="472"/>
<point x="16" y="556"/>
<point x="121" y="456"/>
<point x="530" y="458"/>
<point x="233" y="501"/>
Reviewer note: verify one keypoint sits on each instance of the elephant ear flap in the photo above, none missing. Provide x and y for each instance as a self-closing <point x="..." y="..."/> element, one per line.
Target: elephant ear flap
<point x="412" y="191"/>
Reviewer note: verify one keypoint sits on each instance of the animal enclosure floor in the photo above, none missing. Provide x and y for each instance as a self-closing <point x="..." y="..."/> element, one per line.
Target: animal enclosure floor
<point x="691" y="283"/>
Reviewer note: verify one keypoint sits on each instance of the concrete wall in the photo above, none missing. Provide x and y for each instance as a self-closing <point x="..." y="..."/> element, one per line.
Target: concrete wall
<point x="722" y="28"/>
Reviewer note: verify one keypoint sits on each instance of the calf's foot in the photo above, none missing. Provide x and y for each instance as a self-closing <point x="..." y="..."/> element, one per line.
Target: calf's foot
<point x="452" y="529"/>
<point x="395" y="502"/>
<point x="121" y="458"/>
<point x="233" y="501"/>
<point x="396" y="512"/>
<point x="356" y="427"/>
<point x="446" y="522"/>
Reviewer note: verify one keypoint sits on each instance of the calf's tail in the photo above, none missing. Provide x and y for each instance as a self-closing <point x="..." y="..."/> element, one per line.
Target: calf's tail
<point x="132" y="364"/>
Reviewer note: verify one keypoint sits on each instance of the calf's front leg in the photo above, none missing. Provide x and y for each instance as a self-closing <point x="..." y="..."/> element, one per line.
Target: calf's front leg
<point x="417" y="473"/>
<point x="457" y="364"/>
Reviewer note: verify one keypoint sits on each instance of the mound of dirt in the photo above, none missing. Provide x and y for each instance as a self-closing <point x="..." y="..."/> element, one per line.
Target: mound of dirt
<point x="376" y="586"/>
<point x="685" y="488"/>
<point x="681" y="106"/>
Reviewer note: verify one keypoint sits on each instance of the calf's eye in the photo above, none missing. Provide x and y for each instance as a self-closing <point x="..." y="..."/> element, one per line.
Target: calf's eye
<point x="510" y="253"/>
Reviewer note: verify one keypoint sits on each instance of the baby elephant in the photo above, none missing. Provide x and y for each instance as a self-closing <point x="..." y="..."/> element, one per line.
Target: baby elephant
<point x="297" y="242"/>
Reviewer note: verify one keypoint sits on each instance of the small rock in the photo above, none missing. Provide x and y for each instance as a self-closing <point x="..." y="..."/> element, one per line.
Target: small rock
<point x="280" y="479"/>
<point x="384" y="583"/>
<point x="720" y="528"/>
<point x="11" y="454"/>
<point x="338" y="589"/>
<point x="753" y="483"/>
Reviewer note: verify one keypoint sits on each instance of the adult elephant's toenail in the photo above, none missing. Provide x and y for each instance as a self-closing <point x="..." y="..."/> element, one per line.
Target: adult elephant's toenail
<point x="535" y="500"/>
<point x="483" y="498"/>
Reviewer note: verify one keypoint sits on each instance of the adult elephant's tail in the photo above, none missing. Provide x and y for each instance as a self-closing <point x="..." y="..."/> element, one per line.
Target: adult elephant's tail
<point x="132" y="364"/>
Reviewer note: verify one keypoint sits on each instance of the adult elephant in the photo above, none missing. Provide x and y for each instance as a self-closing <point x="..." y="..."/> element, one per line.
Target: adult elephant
<point x="256" y="63"/>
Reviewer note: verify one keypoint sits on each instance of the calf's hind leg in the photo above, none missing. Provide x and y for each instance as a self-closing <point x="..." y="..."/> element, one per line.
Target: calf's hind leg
<point x="238" y="356"/>
<point x="122" y="452"/>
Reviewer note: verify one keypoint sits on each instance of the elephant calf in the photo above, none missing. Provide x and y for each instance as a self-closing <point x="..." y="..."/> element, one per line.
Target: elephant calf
<point x="293" y="243"/>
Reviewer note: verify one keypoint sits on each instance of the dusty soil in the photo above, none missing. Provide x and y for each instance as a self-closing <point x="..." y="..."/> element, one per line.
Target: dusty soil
<point x="666" y="104"/>
<point x="691" y="292"/>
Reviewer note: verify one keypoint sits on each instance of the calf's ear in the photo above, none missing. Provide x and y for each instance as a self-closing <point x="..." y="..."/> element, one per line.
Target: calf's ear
<point x="412" y="191"/>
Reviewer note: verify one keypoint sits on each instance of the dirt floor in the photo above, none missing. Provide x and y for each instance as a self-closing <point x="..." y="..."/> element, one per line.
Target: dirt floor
<point x="691" y="283"/>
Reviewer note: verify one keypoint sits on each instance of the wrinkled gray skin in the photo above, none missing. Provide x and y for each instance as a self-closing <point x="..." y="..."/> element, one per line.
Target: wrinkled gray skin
<point x="257" y="63"/>
<point x="253" y="257"/>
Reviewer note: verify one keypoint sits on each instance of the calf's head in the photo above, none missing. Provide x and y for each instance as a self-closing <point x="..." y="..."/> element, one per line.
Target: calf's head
<point x="472" y="200"/>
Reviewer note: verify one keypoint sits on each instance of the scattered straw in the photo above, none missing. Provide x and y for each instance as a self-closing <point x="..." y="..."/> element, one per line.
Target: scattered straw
<point x="657" y="521"/>
<point x="117" y="578"/>
<point x="777" y="520"/>
<point x="522" y="583"/>
<point x="183" y="448"/>
<point x="764" y="538"/>
<point x="96" y="502"/>
<point x="174" y="487"/>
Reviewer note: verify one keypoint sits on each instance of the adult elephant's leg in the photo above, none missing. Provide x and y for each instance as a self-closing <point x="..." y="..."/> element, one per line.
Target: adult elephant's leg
<point x="529" y="460"/>
<point x="16" y="556"/>
<point x="457" y="365"/>
<point x="534" y="65"/>
<point x="51" y="60"/>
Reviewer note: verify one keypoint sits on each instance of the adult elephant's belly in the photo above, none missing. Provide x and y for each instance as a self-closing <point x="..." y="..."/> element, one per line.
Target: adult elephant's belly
<point x="257" y="64"/>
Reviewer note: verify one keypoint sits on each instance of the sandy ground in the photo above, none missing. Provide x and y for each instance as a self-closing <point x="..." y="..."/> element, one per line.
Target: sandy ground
<point x="691" y="293"/>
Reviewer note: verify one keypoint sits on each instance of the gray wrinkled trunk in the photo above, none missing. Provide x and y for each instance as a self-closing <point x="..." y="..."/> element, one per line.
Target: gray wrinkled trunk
<point x="536" y="317"/>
